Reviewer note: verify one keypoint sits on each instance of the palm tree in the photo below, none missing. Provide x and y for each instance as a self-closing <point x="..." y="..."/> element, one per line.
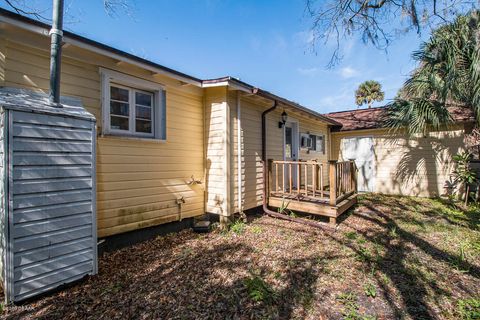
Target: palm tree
<point x="448" y="73"/>
<point x="368" y="92"/>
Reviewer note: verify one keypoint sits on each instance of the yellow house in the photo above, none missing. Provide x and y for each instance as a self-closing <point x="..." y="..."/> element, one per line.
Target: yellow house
<point x="171" y="146"/>
<point x="394" y="163"/>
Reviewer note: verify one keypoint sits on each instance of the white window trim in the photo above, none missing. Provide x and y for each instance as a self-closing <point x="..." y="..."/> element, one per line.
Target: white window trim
<point x="110" y="77"/>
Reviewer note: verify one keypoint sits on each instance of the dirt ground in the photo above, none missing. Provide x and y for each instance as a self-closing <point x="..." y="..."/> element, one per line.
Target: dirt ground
<point x="391" y="258"/>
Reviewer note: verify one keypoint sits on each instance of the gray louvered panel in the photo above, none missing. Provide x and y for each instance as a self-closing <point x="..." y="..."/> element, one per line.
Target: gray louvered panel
<point x="49" y="176"/>
<point x="53" y="211"/>
<point x="49" y="265"/>
<point x="51" y="238"/>
<point x="45" y="279"/>
<point x="51" y="251"/>
<point x="49" y="225"/>
<point x="51" y="159"/>
<point x="29" y="144"/>
<point x="49" y="120"/>
<point x="50" y="198"/>
<point x="22" y="130"/>
<point x="50" y="185"/>
<point x="47" y="172"/>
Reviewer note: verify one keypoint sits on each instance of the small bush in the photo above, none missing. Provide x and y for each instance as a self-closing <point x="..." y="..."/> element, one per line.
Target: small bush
<point x="238" y="227"/>
<point x="393" y="232"/>
<point x="260" y="291"/>
<point x="469" y="309"/>
<point x="370" y="290"/>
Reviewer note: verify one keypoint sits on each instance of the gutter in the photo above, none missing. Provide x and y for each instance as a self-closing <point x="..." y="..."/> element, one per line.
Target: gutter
<point x="236" y="84"/>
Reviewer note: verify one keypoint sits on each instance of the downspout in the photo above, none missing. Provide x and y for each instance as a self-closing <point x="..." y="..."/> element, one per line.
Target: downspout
<point x="56" y="35"/>
<point x="269" y="212"/>
<point x="239" y="155"/>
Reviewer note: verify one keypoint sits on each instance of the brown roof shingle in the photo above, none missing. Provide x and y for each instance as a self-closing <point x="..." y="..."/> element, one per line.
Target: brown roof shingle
<point x="373" y="118"/>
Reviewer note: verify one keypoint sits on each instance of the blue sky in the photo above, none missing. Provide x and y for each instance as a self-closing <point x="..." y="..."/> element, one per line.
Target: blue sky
<point x="264" y="43"/>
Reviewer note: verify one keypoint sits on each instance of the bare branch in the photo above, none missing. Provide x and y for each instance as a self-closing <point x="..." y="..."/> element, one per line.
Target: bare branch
<point x="378" y="22"/>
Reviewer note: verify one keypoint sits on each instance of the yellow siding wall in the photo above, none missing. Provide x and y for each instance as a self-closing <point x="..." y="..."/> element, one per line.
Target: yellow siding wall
<point x="416" y="167"/>
<point x="138" y="181"/>
<point x="251" y="143"/>
<point x="3" y="52"/>
<point x="216" y="142"/>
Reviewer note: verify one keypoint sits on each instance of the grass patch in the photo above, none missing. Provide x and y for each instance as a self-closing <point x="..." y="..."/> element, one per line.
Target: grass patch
<point x="351" y="235"/>
<point x="469" y="309"/>
<point x="256" y="229"/>
<point x="349" y="300"/>
<point x="237" y="227"/>
<point x="370" y="290"/>
<point x="259" y="290"/>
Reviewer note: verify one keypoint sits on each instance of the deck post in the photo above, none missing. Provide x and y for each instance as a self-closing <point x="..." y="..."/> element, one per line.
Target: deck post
<point x="269" y="178"/>
<point x="353" y="168"/>
<point x="333" y="181"/>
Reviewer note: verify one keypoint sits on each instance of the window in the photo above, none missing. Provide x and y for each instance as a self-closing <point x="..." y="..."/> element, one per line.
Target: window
<point x="318" y="143"/>
<point x="131" y="110"/>
<point x="132" y="106"/>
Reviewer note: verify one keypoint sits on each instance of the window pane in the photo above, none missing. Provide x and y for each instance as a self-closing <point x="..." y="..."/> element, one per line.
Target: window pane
<point x="118" y="108"/>
<point x="119" y="123"/>
<point x="143" y="99"/>
<point x="118" y="94"/>
<point x="288" y="142"/>
<point x="144" y="126"/>
<point x="143" y="112"/>
<point x="314" y="143"/>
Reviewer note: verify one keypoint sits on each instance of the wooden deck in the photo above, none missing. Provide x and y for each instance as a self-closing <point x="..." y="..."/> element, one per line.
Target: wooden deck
<point x="313" y="195"/>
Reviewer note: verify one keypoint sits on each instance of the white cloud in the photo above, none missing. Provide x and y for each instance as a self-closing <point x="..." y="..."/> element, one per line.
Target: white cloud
<point x="337" y="102"/>
<point x="348" y="72"/>
<point x="308" y="71"/>
<point x="304" y="37"/>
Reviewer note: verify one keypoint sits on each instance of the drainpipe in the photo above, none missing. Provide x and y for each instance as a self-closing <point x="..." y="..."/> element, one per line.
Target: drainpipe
<point x="269" y="212"/>
<point x="56" y="35"/>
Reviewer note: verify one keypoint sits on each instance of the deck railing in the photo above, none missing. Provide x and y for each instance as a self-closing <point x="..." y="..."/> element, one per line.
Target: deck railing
<point x="304" y="178"/>
<point x="309" y="179"/>
<point x="343" y="180"/>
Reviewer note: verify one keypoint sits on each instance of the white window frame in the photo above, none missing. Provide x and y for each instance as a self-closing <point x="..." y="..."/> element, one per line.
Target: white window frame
<point x="117" y="79"/>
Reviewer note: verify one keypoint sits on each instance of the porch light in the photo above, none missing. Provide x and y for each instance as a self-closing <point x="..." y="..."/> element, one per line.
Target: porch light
<point x="284" y="120"/>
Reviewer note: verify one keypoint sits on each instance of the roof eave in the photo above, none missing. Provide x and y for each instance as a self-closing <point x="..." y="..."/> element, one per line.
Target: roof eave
<point x="91" y="45"/>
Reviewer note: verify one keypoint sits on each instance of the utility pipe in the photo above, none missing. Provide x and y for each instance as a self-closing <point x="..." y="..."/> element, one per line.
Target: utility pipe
<point x="269" y="212"/>
<point x="56" y="35"/>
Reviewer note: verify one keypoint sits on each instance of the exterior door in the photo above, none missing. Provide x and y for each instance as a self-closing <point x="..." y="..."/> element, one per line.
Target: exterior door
<point x="361" y="150"/>
<point x="290" y="150"/>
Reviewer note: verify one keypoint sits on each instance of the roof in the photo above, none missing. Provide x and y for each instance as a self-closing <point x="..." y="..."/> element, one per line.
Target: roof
<point x="237" y="83"/>
<point x="372" y="118"/>
<point x="75" y="39"/>
<point x="38" y="102"/>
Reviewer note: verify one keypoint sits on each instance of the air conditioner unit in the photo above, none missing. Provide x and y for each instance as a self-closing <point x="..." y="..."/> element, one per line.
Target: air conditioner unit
<point x="306" y="142"/>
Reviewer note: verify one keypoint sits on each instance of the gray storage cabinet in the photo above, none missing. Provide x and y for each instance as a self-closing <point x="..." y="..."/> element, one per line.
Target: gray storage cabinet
<point x="48" y="216"/>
